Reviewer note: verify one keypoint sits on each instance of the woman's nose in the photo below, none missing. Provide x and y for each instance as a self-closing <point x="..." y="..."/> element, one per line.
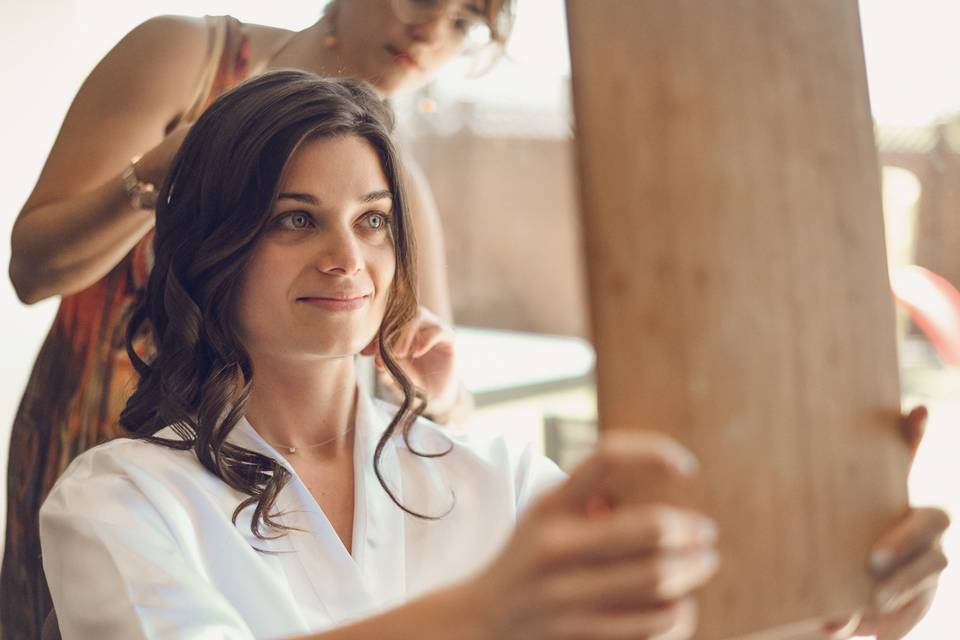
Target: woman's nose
<point x="340" y="255"/>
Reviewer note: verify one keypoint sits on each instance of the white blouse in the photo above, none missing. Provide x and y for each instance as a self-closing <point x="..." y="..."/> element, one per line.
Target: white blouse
<point x="138" y="540"/>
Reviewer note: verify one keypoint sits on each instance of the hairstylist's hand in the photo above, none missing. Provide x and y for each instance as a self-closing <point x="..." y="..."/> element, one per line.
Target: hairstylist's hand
<point x="906" y="562"/>
<point x="155" y="163"/>
<point x="591" y="560"/>
<point x="424" y="350"/>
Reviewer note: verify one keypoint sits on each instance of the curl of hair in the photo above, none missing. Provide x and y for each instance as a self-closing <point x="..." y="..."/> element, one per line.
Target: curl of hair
<point x="212" y="208"/>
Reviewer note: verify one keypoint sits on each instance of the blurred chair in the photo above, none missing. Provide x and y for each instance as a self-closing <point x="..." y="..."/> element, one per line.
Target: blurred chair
<point x="567" y="440"/>
<point x="934" y="306"/>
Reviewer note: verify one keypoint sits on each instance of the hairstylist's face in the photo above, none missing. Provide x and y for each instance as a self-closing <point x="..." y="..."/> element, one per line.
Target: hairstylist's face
<point x="319" y="277"/>
<point x="398" y="45"/>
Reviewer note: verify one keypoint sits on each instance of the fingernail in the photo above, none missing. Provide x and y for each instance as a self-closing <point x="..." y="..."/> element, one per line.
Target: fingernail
<point x="880" y="561"/>
<point x="708" y="530"/>
<point x="686" y="462"/>
<point x="712" y="561"/>
<point x="885" y="600"/>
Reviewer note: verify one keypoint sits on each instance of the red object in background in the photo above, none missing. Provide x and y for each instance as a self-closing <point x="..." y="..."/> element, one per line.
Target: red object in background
<point x="933" y="304"/>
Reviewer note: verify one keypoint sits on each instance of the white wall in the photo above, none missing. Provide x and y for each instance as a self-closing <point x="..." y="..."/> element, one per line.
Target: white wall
<point x="35" y="97"/>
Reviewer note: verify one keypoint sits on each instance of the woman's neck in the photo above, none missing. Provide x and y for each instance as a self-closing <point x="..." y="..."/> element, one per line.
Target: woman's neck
<point x="301" y="404"/>
<point x="305" y="50"/>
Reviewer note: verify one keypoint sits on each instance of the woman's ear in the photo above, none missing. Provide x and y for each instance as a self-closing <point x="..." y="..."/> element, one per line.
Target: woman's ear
<point x="329" y="20"/>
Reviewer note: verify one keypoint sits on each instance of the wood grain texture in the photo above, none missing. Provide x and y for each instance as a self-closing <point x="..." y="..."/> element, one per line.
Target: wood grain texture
<point x="739" y="296"/>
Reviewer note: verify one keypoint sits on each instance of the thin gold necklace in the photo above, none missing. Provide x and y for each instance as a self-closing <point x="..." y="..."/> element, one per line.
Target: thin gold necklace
<point x="291" y="449"/>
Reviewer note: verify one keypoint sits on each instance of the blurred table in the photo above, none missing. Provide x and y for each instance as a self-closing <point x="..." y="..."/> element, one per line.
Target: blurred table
<point x="500" y="366"/>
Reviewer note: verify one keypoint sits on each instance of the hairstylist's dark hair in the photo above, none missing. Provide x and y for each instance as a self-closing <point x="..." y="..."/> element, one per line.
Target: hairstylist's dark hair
<point x="499" y="15"/>
<point x="213" y="206"/>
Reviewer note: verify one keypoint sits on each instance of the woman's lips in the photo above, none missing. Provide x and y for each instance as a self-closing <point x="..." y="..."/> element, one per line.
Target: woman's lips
<point x="403" y="57"/>
<point x="336" y="304"/>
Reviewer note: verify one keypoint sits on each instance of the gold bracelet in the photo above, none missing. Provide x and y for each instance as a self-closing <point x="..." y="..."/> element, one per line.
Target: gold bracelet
<point x="142" y="195"/>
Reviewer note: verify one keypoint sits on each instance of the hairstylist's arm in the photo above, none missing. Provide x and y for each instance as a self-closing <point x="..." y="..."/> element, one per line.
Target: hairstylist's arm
<point x="78" y="222"/>
<point x="572" y="570"/>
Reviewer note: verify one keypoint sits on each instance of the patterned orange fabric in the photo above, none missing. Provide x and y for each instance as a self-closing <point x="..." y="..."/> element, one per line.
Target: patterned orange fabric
<point x="79" y="385"/>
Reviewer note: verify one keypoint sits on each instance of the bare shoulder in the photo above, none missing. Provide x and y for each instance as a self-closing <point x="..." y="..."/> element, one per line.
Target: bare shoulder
<point x="153" y="70"/>
<point x="178" y="30"/>
<point x="191" y="34"/>
<point x="264" y="40"/>
<point x="123" y="107"/>
<point x="168" y="52"/>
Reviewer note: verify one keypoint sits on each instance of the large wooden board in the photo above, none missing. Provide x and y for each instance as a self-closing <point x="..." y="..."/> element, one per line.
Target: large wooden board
<point x="739" y="296"/>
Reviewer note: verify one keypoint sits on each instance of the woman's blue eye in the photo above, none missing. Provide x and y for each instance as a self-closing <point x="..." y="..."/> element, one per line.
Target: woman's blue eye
<point x="295" y="221"/>
<point x="376" y="221"/>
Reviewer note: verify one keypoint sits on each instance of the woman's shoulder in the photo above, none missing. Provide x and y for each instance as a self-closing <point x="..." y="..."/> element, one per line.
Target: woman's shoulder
<point x="131" y="475"/>
<point x="186" y="43"/>
<point x="131" y="459"/>
<point x="264" y="40"/>
<point x="481" y="455"/>
<point x="158" y="62"/>
<point x="432" y="439"/>
<point x="183" y="37"/>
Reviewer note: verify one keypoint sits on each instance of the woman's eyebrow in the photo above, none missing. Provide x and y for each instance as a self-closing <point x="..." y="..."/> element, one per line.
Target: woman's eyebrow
<point x="373" y="196"/>
<point x="300" y="197"/>
<point x="307" y="198"/>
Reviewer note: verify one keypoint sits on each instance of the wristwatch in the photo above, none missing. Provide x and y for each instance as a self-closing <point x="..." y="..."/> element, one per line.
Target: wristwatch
<point x="142" y="195"/>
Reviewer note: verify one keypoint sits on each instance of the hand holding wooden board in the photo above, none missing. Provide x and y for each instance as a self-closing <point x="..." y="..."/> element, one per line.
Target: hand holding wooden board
<point x="739" y="293"/>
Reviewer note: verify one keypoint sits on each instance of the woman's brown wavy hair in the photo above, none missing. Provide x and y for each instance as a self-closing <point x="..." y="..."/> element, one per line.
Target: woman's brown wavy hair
<point x="212" y="208"/>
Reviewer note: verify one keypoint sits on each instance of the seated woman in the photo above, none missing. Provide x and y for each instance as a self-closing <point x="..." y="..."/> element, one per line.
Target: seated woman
<point x="265" y="494"/>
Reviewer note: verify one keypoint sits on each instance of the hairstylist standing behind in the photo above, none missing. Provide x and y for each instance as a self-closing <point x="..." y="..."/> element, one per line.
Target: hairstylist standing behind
<point x="85" y="231"/>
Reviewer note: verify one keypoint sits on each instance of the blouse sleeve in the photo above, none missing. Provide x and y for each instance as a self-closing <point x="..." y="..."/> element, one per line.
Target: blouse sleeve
<point x="114" y="567"/>
<point x="535" y="474"/>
